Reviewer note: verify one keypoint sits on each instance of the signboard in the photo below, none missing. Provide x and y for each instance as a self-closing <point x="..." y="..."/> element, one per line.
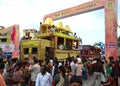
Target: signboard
<point x="7" y="47"/>
<point x="86" y="7"/>
<point x="110" y="45"/>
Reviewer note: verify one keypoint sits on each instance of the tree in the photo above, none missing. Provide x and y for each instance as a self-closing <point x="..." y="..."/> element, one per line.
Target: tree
<point x="101" y="46"/>
<point x="118" y="41"/>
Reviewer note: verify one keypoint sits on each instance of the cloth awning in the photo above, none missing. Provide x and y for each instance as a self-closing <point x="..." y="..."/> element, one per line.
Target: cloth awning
<point x="6" y="55"/>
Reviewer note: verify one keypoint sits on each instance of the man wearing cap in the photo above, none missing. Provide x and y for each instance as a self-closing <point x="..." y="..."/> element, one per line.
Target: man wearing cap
<point x="79" y="67"/>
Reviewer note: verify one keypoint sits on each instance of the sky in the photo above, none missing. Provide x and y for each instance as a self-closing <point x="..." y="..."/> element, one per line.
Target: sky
<point x="29" y="13"/>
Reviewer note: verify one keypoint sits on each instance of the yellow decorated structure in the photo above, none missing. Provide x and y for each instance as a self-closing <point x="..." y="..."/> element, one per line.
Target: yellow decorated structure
<point x="51" y="44"/>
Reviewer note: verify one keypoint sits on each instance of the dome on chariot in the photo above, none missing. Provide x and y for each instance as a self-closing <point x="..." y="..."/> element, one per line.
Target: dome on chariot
<point x="48" y="21"/>
<point x="60" y="26"/>
<point x="67" y="28"/>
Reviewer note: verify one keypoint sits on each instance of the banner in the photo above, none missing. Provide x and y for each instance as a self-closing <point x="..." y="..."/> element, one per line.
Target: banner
<point x="111" y="28"/>
<point x="15" y="41"/>
<point x="7" y="47"/>
<point x="86" y="7"/>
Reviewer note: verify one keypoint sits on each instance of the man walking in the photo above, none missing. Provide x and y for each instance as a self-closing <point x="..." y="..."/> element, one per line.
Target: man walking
<point x="44" y="78"/>
<point x="97" y="69"/>
<point x="34" y="70"/>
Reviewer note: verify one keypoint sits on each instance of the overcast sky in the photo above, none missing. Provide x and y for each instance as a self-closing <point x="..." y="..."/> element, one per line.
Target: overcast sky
<point x="28" y="13"/>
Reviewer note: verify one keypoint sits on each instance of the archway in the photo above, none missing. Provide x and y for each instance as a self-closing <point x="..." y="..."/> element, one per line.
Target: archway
<point x="110" y="8"/>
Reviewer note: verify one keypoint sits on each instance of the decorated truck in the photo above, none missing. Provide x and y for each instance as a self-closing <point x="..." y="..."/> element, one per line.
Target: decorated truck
<point x="87" y="51"/>
<point x="50" y="42"/>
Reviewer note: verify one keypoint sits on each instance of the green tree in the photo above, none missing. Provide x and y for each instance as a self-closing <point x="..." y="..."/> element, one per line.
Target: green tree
<point x="118" y="41"/>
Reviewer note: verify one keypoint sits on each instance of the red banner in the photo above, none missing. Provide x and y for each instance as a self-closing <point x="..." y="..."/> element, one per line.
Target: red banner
<point x="15" y="41"/>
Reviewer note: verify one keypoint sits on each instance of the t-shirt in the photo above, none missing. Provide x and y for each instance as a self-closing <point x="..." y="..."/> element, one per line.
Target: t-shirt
<point x="44" y="80"/>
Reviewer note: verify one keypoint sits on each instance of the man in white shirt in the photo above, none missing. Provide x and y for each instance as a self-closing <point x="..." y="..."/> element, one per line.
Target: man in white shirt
<point x="34" y="69"/>
<point x="72" y="65"/>
<point x="61" y="47"/>
<point x="78" y="67"/>
<point x="53" y="29"/>
<point x="44" y="78"/>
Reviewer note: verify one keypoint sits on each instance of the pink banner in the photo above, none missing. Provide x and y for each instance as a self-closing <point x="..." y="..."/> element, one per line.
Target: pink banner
<point x="89" y="6"/>
<point x="111" y="28"/>
<point x="15" y="41"/>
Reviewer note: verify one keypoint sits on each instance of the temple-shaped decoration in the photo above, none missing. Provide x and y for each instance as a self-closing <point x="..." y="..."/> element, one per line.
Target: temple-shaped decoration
<point x="62" y="36"/>
<point x="59" y="27"/>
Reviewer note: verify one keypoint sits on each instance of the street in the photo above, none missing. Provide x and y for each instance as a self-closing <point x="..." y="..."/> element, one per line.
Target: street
<point x="89" y="81"/>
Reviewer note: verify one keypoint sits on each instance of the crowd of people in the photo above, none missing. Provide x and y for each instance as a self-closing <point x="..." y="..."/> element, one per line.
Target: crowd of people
<point x="53" y="72"/>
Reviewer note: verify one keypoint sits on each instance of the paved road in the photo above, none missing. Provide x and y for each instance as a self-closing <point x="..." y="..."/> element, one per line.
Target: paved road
<point x="89" y="81"/>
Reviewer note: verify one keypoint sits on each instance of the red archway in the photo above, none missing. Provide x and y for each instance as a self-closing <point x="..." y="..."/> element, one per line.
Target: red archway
<point x="110" y="7"/>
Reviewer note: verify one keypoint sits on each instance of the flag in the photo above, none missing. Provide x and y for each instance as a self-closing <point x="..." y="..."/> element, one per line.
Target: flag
<point x="13" y="33"/>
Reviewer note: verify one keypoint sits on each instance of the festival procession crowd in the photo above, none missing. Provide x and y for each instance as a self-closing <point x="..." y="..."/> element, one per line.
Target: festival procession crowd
<point x="52" y="72"/>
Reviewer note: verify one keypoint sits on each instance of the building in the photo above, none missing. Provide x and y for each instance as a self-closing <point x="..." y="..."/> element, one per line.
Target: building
<point x="9" y="41"/>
